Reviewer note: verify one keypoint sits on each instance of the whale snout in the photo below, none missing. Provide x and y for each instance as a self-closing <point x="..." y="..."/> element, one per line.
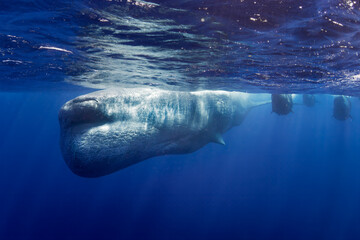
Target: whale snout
<point x="86" y="140"/>
<point x="81" y="110"/>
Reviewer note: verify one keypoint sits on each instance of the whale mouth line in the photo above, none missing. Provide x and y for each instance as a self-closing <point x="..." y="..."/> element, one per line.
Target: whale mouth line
<point x="83" y="128"/>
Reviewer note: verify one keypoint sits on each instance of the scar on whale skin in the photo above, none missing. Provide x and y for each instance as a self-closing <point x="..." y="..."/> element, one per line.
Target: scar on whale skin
<point x="108" y="130"/>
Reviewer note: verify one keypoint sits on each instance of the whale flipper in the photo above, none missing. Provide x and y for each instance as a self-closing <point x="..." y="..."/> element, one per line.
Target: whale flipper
<point x="218" y="139"/>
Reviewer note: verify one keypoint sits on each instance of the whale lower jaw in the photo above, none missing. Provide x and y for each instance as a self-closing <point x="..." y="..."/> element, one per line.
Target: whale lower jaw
<point x="97" y="150"/>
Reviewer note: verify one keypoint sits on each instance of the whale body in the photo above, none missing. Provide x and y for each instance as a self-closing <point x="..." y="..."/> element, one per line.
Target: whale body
<point x="108" y="130"/>
<point x="282" y="103"/>
<point x="342" y="108"/>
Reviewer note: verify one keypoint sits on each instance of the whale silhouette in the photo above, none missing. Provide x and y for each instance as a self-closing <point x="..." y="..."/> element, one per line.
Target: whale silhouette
<point x="281" y="103"/>
<point x="342" y="108"/>
<point x="309" y="100"/>
<point x="108" y="130"/>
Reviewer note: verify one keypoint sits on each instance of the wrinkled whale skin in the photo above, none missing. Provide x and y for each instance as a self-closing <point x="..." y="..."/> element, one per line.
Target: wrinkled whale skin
<point x="108" y="130"/>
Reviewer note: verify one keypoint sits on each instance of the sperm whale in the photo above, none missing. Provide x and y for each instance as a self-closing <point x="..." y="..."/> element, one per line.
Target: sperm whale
<point x="342" y="108"/>
<point x="309" y="100"/>
<point x="281" y="103"/>
<point x="108" y="130"/>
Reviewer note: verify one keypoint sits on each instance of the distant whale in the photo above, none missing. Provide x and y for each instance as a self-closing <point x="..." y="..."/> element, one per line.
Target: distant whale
<point x="281" y="103"/>
<point x="342" y="108"/>
<point x="309" y="100"/>
<point x="108" y="130"/>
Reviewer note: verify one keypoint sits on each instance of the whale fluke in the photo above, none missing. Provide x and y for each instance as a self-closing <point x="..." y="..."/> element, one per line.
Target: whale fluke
<point x="108" y="130"/>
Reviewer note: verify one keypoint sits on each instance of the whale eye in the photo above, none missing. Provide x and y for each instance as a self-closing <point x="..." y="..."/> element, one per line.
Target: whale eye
<point x="81" y="111"/>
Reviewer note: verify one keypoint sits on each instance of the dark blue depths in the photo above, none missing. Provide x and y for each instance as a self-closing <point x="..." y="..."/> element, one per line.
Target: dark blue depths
<point x="278" y="177"/>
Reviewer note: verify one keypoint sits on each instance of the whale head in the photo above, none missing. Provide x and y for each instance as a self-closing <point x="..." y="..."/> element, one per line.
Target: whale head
<point x="108" y="130"/>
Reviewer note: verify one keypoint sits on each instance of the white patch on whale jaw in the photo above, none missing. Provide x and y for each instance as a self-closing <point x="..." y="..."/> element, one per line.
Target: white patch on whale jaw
<point x="108" y="130"/>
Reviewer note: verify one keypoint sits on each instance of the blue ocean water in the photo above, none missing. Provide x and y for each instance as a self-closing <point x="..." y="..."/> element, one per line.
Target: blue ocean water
<point x="277" y="177"/>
